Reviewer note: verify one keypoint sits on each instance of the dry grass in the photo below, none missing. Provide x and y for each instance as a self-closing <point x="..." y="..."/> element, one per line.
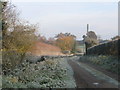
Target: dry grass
<point x="45" y="49"/>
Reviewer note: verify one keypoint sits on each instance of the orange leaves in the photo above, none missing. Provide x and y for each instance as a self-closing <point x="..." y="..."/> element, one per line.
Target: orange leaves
<point x="65" y="41"/>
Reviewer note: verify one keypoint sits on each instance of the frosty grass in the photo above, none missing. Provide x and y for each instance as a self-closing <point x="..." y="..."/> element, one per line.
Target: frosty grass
<point x="52" y="73"/>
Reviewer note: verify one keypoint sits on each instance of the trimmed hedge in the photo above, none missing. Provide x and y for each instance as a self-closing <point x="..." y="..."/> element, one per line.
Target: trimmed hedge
<point x="109" y="48"/>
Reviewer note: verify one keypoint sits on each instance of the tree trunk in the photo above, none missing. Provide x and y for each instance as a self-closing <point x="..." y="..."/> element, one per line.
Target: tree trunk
<point x="22" y="57"/>
<point x="86" y="46"/>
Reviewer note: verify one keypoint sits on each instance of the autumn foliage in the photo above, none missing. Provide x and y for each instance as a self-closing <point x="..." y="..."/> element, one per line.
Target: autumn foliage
<point x="17" y="37"/>
<point x="65" y="41"/>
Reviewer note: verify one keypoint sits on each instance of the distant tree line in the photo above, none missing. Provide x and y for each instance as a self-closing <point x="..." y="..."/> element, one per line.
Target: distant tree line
<point x="65" y="41"/>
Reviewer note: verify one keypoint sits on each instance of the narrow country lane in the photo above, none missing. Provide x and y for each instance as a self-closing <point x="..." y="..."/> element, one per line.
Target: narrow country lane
<point x="87" y="77"/>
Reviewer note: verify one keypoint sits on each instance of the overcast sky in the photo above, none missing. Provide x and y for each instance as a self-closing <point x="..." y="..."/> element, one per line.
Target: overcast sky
<point x="56" y="17"/>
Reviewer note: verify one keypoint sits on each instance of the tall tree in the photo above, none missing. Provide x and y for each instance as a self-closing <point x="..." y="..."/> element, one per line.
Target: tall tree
<point x="9" y="20"/>
<point x="65" y="41"/>
<point x="90" y="39"/>
<point x="15" y="32"/>
<point x="17" y="36"/>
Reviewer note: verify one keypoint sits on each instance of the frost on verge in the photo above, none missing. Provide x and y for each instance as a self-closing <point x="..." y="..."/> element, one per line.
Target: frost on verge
<point x="52" y="73"/>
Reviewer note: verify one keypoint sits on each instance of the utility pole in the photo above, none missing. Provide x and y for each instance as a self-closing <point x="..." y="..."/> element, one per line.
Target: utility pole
<point x="87" y="28"/>
<point x="86" y="44"/>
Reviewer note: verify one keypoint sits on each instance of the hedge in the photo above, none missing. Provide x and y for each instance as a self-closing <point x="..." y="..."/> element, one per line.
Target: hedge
<point x="109" y="48"/>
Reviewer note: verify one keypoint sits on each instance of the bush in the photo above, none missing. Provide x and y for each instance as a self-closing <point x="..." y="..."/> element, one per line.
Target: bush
<point x="10" y="59"/>
<point x="17" y="37"/>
